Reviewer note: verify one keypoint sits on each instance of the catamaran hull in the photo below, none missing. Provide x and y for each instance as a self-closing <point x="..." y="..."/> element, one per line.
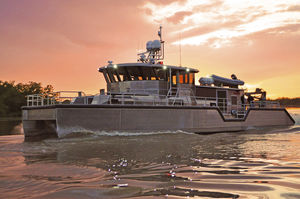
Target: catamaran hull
<point x="62" y="120"/>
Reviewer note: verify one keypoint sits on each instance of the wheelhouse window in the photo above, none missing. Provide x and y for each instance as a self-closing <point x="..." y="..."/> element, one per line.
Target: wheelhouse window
<point x="174" y="80"/>
<point x="192" y="78"/>
<point x="142" y="73"/>
<point x="187" y="78"/>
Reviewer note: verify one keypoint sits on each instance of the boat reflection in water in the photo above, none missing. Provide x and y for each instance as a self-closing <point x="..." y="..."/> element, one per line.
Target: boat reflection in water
<point x="260" y="163"/>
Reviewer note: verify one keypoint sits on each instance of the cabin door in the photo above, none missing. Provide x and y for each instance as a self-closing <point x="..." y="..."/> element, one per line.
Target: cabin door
<point x="222" y="100"/>
<point x="234" y="102"/>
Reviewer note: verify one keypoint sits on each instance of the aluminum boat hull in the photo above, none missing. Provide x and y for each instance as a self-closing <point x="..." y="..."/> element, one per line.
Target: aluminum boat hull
<point x="62" y="120"/>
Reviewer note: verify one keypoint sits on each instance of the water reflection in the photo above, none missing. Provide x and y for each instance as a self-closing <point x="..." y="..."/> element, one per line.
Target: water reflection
<point x="219" y="165"/>
<point x="10" y="126"/>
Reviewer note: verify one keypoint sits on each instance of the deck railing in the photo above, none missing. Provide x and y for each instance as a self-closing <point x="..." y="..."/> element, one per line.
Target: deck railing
<point x="134" y="98"/>
<point x="60" y="97"/>
<point x="144" y="99"/>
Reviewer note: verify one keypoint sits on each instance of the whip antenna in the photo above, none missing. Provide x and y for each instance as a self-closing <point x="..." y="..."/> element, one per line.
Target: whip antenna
<point x="179" y="48"/>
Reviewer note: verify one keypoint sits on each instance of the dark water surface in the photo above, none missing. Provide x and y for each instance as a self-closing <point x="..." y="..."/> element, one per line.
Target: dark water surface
<point x="10" y="126"/>
<point x="258" y="163"/>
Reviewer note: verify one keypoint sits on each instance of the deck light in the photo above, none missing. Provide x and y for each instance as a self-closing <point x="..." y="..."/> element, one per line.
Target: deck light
<point x="115" y="66"/>
<point x="164" y="67"/>
<point x="187" y="70"/>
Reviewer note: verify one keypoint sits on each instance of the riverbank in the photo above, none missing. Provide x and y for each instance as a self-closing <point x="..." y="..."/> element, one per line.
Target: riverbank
<point x="10" y="119"/>
<point x="289" y="102"/>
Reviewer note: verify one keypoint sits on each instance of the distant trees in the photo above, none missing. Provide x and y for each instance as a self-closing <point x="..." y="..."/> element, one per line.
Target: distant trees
<point x="289" y="102"/>
<point x="13" y="96"/>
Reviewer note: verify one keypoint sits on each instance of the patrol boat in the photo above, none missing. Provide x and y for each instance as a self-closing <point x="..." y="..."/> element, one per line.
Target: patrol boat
<point x="150" y="96"/>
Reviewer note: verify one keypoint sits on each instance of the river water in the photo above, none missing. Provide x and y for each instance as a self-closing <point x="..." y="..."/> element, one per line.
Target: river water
<point x="257" y="163"/>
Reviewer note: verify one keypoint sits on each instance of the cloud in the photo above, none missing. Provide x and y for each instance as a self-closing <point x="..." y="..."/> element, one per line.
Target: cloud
<point x="224" y="36"/>
<point x="161" y="12"/>
<point x="294" y="8"/>
<point x="178" y="16"/>
<point x="218" y="23"/>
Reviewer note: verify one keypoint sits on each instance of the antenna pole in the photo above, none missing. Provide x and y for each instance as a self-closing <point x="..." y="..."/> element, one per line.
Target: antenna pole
<point x="162" y="56"/>
<point x="160" y="33"/>
<point x="179" y="48"/>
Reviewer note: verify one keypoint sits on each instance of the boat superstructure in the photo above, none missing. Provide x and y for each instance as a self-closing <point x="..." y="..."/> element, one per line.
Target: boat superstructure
<point x="152" y="96"/>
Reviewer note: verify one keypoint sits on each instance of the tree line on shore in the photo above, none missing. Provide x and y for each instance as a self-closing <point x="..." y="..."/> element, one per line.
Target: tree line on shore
<point x="13" y="97"/>
<point x="289" y="102"/>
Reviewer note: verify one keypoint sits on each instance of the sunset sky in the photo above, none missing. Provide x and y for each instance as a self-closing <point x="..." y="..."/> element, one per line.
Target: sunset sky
<point x="63" y="43"/>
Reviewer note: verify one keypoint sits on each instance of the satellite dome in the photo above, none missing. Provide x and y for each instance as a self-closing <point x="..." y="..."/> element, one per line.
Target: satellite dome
<point x="156" y="45"/>
<point x="149" y="45"/>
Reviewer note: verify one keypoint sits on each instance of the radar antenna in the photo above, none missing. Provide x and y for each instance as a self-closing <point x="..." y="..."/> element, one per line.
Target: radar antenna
<point x="155" y="51"/>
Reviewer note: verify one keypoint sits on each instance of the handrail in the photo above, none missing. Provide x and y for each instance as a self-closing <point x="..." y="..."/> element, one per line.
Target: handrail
<point x="55" y="98"/>
<point x="206" y="100"/>
<point x="139" y="98"/>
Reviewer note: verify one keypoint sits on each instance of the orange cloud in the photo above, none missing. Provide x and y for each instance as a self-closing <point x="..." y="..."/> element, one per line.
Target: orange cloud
<point x="233" y="19"/>
<point x="178" y="17"/>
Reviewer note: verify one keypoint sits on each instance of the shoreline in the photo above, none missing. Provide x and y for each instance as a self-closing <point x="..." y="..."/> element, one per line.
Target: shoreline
<point x="10" y="119"/>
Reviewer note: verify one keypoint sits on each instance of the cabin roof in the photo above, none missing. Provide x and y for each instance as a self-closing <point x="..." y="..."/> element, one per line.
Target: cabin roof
<point x="147" y="65"/>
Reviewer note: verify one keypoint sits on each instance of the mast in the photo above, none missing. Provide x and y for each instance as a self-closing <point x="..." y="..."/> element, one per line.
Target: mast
<point x="155" y="50"/>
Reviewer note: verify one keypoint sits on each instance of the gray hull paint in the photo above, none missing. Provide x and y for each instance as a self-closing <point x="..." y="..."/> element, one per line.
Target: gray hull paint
<point x="60" y="120"/>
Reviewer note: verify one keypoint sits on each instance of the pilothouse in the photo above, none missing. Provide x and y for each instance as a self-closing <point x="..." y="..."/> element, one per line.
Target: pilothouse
<point x="149" y="81"/>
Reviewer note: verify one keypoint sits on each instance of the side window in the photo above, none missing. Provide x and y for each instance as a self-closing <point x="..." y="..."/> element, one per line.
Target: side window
<point x="186" y="78"/>
<point x="181" y="79"/>
<point x="192" y="78"/>
<point x="174" y="80"/>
